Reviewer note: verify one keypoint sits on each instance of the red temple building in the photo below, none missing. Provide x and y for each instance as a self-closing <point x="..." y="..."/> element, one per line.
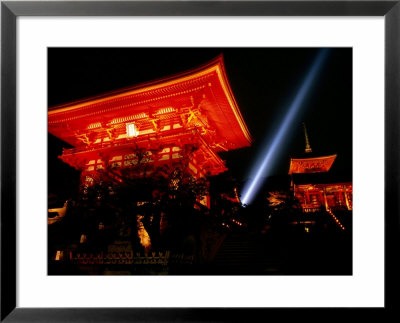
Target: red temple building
<point x="314" y="186"/>
<point x="183" y="120"/>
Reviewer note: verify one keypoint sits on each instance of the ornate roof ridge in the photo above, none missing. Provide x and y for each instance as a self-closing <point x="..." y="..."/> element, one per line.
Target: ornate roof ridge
<point x="314" y="157"/>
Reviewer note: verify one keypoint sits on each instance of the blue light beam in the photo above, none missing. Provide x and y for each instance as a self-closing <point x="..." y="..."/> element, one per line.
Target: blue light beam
<point x="261" y="170"/>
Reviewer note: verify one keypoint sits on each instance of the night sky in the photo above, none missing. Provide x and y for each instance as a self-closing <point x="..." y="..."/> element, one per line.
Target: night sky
<point x="263" y="80"/>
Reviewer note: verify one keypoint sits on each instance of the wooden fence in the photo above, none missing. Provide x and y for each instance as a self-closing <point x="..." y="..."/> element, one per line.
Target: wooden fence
<point x="127" y="258"/>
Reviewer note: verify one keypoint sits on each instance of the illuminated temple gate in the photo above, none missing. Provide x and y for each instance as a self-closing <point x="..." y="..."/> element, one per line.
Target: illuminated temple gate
<point x="183" y="120"/>
<point x="313" y="186"/>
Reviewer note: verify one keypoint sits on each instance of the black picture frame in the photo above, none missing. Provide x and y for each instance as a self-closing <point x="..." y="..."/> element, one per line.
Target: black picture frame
<point x="11" y="10"/>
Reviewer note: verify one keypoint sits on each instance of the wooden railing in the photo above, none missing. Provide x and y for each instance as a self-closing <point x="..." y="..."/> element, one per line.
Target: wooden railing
<point x="330" y="212"/>
<point x="126" y="258"/>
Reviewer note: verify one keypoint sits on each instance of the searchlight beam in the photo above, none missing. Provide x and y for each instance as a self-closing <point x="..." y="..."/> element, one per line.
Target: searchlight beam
<point x="263" y="167"/>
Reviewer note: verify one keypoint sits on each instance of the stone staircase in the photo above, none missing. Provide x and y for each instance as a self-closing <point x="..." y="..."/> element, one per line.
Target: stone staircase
<point x="245" y="254"/>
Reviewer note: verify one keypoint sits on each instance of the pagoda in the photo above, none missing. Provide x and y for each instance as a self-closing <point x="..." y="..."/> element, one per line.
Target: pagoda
<point x="315" y="187"/>
<point x="183" y="121"/>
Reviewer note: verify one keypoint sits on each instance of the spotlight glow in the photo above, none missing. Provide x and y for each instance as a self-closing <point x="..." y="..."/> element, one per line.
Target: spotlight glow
<point x="262" y="168"/>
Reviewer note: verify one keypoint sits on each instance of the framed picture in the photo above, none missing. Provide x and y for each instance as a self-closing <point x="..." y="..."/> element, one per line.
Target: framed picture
<point x="261" y="118"/>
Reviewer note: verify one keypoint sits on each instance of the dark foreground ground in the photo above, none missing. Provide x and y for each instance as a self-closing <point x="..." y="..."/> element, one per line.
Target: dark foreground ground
<point x="248" y="252"/>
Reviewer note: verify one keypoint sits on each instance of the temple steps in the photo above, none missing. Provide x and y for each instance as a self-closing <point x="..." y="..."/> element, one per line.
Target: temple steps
<point x="244" y="254"/>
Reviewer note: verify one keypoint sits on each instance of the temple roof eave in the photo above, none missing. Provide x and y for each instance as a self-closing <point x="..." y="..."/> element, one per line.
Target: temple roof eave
<point x="212" y="76"/>
<point x="296" y="164"/>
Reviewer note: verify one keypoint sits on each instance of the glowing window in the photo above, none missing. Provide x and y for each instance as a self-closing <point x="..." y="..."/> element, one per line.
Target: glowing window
<point x="116" y="158"/>
<point x="130" y="162"/>
<point x="131" y="130"/>
<point x="164" y="157"/>
<point x="116" y="164"/>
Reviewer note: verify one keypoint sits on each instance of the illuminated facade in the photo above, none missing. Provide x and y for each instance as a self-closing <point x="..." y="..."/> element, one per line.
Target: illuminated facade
<point x="179" y="121"/>
<point x="313" y="186"/>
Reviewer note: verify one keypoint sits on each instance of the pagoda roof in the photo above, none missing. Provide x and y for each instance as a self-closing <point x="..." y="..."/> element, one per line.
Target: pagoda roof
<point x="317" y="164"/>
<point x="205" y="88"/>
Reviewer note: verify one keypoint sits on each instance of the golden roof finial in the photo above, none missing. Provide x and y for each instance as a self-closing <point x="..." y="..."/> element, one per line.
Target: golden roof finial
<point x="308" y="147"/>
